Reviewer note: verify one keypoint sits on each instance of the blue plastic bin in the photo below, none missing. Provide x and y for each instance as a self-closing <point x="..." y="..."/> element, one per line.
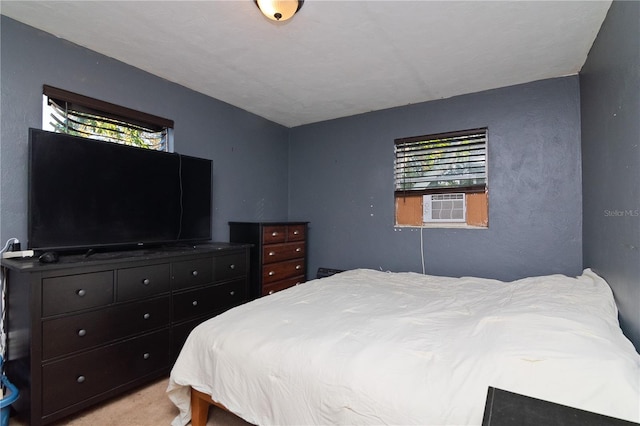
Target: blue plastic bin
<point x="9" y="398"/>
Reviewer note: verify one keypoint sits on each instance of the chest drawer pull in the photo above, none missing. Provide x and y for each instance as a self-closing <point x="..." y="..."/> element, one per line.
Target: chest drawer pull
<point x="231" y="293"/>
<point x="146" y="355"/>
<point x="81" y="292"/>
<point x="82" y="332"/>
<point x="146" y="316"/>
<point x="146" y="281"/>
<point x="271" y="273"/>
<point x="298" y="267"/>
<point x="194" y="273"/>
<point x="272" y="253"/>
<point x="232" y="266"/>
<point x="296" y="232"/>
<point x="271" y="291"/>
<point x="80" y="379"/>
<point x="298" y="250"/>
<point x="194" y="303"/>
<point x="274" y="234"/>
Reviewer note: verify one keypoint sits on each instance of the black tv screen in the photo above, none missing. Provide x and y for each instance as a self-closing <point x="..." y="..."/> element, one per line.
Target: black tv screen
<point x="88" y="194"/>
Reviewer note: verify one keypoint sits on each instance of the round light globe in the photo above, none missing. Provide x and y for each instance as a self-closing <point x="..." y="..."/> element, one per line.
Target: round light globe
<point x="279" y="10"/>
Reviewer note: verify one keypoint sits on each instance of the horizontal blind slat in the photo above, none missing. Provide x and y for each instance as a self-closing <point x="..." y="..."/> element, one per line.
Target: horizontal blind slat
<point x="435" y="143"/>
<point x="445" y="158"/>
<point x="435" y="173"/>
<point x="439" y="142"/>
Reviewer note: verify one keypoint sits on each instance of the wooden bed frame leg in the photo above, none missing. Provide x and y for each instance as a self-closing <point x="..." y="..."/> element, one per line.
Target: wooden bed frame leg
<point x="200" y="403"/>
<point x="199" y="408"/>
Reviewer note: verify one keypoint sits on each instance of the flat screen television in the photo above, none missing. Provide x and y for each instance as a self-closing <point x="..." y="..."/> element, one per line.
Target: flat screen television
<point x="88" y="194"/>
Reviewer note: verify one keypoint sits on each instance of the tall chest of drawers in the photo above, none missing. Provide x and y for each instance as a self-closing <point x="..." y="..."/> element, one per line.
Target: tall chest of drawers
<point x="278" y="255"/>
<point x="84" y="330"/>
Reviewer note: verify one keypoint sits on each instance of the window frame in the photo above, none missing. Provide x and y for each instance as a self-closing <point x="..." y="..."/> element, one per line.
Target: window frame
<point x="409" y="203"/>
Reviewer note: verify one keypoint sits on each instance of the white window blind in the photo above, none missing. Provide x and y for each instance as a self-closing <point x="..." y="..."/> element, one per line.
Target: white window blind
<point x="78" y="115"/>
<point x="442" y="162"/>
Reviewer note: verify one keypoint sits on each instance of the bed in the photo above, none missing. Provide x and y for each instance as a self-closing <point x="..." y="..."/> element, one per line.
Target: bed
<point x="370" y="347"/>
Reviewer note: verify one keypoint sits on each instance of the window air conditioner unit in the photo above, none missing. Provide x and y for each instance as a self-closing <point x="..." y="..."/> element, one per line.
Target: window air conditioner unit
<point x="444" y="208"/>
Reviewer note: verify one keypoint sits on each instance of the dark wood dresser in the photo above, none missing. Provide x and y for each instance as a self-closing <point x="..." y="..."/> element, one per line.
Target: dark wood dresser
<point x="278" y="256"/>
<point x="86" y="329"/>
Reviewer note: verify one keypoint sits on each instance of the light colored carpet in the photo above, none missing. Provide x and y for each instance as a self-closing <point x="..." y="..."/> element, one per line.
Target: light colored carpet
<point x="145" y="406"/>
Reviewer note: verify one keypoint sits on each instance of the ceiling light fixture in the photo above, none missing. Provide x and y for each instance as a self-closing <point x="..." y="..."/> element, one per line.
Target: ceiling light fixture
<point x="279" y="10"/>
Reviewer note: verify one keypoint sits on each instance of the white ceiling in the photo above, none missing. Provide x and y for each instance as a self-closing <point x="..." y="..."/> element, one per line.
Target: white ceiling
<point x="334" y="58"/>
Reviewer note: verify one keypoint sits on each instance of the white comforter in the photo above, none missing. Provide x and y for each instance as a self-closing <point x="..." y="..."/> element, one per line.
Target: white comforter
<point x="369" y="347"/>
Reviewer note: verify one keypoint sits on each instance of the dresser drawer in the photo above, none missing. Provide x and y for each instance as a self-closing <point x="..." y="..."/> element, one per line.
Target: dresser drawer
<point x="274" y="234"/>
<point x="145" y="281"/>
<point x="278" y="271"/>
<point x="208" y="300"/>
<point x="61" y="336"/>
<point x="281" y="285"/>
<point x="76" y="292"/>
<point x="229" y="266"/>
<point x="77" y="378"/>
<point x="179" y="334"/>
<point x="278" y="252"/>
<point x="192" y="273"/>
<point x="296" y="232"/>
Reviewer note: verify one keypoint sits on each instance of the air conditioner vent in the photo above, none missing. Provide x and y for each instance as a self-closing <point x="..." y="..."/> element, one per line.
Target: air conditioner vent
<point x="444" y="208"/>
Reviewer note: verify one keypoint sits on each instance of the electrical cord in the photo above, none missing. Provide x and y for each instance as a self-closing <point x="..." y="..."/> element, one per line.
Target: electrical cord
<point x="181" y="197"/>
<point x="3" y="297"/>
<point x="422" y="249"/>
<point x="3" y="332"/>
<point x="9" y="241"/>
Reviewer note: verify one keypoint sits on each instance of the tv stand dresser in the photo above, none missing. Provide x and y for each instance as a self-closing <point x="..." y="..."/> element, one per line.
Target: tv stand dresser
<point x="85" y="329"/>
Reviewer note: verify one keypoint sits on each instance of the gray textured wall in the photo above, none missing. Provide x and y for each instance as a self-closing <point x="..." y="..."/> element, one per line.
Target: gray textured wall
<point x="341" y="180"/>
<point x="248" y="152"/>
<point x="609" y="91"/>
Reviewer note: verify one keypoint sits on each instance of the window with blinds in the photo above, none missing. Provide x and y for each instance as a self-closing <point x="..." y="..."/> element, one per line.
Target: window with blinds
<point x="78" y="115"/>
<point x="450" y="164"/>
<point x="442" y="162"/>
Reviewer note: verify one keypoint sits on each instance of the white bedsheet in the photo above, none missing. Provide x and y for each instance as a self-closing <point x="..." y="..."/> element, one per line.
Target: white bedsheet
<point x="369" y="347"/>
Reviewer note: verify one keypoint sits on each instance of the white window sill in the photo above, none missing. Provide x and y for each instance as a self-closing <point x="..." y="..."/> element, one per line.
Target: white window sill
<point x="442" y="225"/>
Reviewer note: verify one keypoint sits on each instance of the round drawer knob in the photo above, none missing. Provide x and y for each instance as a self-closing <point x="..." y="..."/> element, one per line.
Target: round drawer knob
<point x="232" y="293"/>
<point x="82" y="332"/>
<point x="274" y="234"/>
<point x="146" y="355"/>
<point x="270" y="291"/>
<point x="298" y="267"/>
<point x="146" y="281"/>
<point x="296" y="232"/>
<point x="272" y="253"/>
<point x="271" y="273"/>
<point x="81" y="292"/>
<point x="194" y="303"/>
<point x="232" y="266"/>
<point x="146" y="316"/>
<point x="194" y="273"/>
<point x="298" y="250"/>
<point x="80" y="379"/>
